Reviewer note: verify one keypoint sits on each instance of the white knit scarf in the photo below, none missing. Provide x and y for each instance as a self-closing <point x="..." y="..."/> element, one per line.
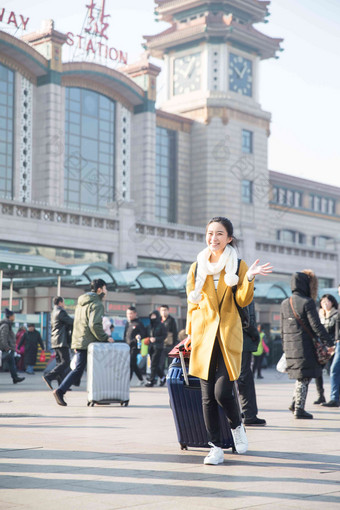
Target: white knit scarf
<point x="227" y="261"/>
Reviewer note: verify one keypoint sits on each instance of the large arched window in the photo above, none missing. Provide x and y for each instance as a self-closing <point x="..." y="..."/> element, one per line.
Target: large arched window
<point x="6" y="131"/>
<point x="89" y="149"/>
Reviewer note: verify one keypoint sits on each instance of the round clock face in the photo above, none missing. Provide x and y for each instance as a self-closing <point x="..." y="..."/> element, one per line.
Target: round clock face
<point x="240" y="75"/>
<point x="187" y="74"/>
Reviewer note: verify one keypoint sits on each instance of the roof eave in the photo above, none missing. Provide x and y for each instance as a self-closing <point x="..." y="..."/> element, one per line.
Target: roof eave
<point x="167" y="9"/>
<point x="264" y="46"/>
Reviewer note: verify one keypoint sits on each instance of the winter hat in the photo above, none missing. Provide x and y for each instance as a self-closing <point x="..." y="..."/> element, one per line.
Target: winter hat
<point x="8" y="313"/>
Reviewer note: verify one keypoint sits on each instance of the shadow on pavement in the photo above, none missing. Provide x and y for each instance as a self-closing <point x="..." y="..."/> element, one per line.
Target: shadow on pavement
<point x="90" y="486"/>
<point x="315" y="460"/>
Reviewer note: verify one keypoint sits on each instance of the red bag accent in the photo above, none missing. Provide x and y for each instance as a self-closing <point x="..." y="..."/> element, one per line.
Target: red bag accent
<point x="175" y="351"/>
<point x="42" y="358"/>
<point x="146" y="340"/>
<point x="265" y="347"/>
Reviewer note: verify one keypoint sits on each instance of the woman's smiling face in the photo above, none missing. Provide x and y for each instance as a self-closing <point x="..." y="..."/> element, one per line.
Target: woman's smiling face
<point x="217" y="237"/>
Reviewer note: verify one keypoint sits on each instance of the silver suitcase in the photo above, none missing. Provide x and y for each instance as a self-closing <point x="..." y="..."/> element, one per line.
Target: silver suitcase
<point x="108" y="373"/>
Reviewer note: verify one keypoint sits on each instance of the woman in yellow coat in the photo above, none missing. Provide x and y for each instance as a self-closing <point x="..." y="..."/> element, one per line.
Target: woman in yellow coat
<point x="215" y="331"/>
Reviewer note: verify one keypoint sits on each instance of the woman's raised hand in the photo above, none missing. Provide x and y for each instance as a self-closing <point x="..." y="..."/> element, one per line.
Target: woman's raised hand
<point x="256" y="268"/>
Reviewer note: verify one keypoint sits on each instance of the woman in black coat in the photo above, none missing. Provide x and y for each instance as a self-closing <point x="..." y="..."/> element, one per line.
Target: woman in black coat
<point x="157" y="333"/>
<point x="302" y="363"/>
<point x="31" y="339"/>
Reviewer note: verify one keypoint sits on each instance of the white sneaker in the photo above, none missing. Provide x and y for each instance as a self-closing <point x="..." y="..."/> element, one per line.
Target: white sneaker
<point x="240" y="439"/>
<point x="215" y="456"/>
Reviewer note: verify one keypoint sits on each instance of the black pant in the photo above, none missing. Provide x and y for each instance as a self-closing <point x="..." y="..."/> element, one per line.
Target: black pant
<point x="74" y="377"/>
<point x="134" y="368"/>
<point x="155" y="355"/>
<point x="9" y="357"/>
<point x="246" y="388"/>
<point x="258" y="365"/>
<point x="319" y="386"/>
<point x="218" y="391"/>
<point x="62" y="368"/>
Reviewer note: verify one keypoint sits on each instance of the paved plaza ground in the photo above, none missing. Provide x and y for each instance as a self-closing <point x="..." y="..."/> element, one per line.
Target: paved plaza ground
<point x="112" y="457"/>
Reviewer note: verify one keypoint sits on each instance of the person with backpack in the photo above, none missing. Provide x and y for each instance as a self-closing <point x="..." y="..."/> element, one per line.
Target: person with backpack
<point x="215" y="330"/>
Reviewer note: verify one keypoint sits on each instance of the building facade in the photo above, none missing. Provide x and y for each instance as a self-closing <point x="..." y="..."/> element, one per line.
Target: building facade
<point x="93" y="172"/>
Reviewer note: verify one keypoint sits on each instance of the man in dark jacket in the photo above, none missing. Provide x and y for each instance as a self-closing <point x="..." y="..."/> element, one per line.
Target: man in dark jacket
<point x="133" y="333"/>
<point x="298" y="345"/>
<point x="31" y="339"/>
<point x="61" y="326"/>
<point x="87" y="328"/>
<point x="246" y="383"/>
<point x="7" y="344"/>
<point x="157" y="334"/>
<point x="171" y="338"/>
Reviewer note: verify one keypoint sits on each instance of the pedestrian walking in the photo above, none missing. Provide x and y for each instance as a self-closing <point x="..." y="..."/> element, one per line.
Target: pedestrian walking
<point x="328" y="314"/>
<point x="21" y="363"/>
<point x="299" y="313"/>
<point x="215" y="330"/>
<point x="262" y="350"/>
<point x="133" y="333"/>
<point x="31" y="339"/>
<point x="246" y="385"/>
<point x="157" y="333"/>
<point x="335" y="366"/>
<point x="61" y="328"/>
<point x="7" y="344"/>
<point x="87" y="328"/>
<point x="171" y="337"/>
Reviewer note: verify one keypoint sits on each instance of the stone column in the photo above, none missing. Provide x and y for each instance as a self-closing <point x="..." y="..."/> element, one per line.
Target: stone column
<point x="49" y="107"/>
<point x="126" y="254"/>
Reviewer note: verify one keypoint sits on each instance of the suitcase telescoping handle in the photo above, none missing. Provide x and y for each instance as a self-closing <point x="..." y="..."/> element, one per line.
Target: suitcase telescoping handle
<point x="184" y="368"/>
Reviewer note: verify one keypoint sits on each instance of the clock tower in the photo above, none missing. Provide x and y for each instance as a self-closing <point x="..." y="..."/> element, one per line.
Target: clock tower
<point x="212" y="54"/>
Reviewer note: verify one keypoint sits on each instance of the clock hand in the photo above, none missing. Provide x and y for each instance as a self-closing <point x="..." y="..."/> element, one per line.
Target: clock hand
<point x="190" y="68"/>
<point x="243" y="71"/>
<point x="237" y="72"/>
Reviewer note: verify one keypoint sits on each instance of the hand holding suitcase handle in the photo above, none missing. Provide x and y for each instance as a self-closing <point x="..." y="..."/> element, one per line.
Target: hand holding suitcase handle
<point x="184" y="368"/>
<point x="187" y="344"/>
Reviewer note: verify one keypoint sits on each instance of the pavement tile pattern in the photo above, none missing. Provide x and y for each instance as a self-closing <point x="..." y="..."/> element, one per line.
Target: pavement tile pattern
<point x="113" y="457"/>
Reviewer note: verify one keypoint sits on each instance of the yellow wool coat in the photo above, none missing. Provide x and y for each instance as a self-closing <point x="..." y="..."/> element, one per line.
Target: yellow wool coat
<point x="216" y="316"/>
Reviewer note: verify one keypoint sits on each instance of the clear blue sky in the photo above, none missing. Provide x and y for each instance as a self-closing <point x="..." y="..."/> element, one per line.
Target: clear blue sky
<point x="301" y="89"/>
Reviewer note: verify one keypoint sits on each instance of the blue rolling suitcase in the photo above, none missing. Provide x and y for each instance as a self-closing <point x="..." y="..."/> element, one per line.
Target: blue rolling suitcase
<point x="186" y="404"/>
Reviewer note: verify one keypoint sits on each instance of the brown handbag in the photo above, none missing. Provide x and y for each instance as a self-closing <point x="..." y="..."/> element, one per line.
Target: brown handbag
<point x="321" y="350"/>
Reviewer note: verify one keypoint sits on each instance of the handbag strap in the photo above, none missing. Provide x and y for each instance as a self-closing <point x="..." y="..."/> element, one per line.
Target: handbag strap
<point x="234" y="289"/>
<point x="300" y="321"/>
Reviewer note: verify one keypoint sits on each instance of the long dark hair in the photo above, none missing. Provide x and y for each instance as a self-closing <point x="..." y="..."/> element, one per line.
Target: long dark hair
<point x="227" y="225"/>
<point x="331" y="299"/>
